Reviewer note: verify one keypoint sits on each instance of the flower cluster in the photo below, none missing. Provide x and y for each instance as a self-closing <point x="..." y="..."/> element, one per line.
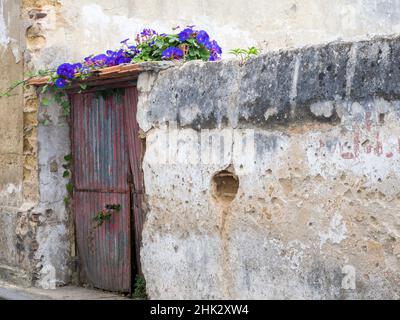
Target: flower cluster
<point x="187" y="44"/>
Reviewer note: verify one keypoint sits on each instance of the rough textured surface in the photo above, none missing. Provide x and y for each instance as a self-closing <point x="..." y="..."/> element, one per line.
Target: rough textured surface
<point x="310" y="94"/>
<point x="74" y="29"/>
<point x="54" y="233"/>
<point x="313" y="136"/>
<point x="11" y="146"/>
<point x="11" y="292"/>
<point x="11" y="69"/>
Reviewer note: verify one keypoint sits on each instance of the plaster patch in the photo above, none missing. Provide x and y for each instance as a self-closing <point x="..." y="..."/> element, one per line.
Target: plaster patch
<point x="337" y="231"/>
<point x="11" y="188"/>
<point x="322" y="109"/>
<point x="4" y="38"/>
<point x="270" y="113"/>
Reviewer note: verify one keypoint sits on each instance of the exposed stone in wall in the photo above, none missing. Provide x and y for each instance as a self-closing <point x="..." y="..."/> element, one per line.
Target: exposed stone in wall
<point x="10" y="108"/>
<point x="312" y="136"/>
<point x="30" y="177"/>
<point x="38" y="17"/>
<point x="11" y="146"/>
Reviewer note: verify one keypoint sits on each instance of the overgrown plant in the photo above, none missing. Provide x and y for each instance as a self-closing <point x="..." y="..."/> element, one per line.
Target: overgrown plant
<point x="244" y="54"/>
<point x="67" y="175"/>
<point x="184" y="44"/>
<point x="106" y="214"/>
<point x="140" y="288"/>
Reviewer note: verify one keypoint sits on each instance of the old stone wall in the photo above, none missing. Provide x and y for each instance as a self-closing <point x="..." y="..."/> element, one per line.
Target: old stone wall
<point x="72" y="29"/>
<point x="11" y="134"/>
<point x="34" y="228"/>
<point x="274" y="179"/>
<point x="35" y="246"/>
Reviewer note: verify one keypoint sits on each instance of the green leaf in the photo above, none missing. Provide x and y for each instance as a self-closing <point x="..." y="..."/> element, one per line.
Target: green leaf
<point x="44" y="89"/>
<point x="66" y="174"/>
<point x="67" y="200"/>
<point x="68" y="157"/>
<point x="45" y="101"/>
<point x="70" y="188"/>
<point x="46" y="122"/>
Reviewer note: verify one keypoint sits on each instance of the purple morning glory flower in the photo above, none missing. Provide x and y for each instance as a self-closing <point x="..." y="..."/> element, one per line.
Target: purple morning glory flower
<point x="77" y="67"/>
<point x="66" y="70"/>
<point x="88" y="60"/>
<point x="215" y="50"/>
<point x="115" y="58"/>
<point x="122" y="59"/>
<point x="213" y="46"/>
<point x="99" y="60"/>
<point x="185" y="34"/>
<point x="85" y="70"/>
<point x="172" y="53"/>
<point x="60" y="83"/>
<point x="148" y="32"/>
<point x="202" y="37"/>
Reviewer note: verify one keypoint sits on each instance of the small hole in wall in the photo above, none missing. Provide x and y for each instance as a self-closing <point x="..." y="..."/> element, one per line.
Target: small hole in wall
<point x="381" y="118"/>
<point x="225" y="185"/>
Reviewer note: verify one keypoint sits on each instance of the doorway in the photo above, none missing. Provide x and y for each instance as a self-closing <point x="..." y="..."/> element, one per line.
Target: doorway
<point x="107" y="179"/>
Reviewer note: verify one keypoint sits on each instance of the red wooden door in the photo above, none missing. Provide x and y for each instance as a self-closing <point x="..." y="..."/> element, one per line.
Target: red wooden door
<point x="103" y="179"/>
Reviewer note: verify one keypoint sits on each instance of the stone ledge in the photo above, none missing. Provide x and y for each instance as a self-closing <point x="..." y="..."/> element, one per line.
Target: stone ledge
<point x="274" y="88"/>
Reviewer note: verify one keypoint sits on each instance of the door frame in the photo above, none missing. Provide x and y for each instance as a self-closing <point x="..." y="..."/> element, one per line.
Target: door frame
<point x="136" y="185"/>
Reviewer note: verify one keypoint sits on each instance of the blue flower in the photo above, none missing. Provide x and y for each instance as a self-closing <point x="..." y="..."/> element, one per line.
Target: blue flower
<point x="185" y="34"/>
<point x="215" y="47"/>
<point x="66" y="70"/>
<point x="202" y="37"/>
<point x="100" y="60"/>
<point x="88" y="60"/>
<point x="215" y="50"/>
<point x="172" y="53"/>
<point x="85" y="70"/>
<point x="60" y="83"/>
<point x="77" y="67"/>
<point x="148" y="32"/>
<point x="125" y="41"/>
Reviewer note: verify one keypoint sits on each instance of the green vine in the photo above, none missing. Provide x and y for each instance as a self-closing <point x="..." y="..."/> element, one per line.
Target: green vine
<point x="117" y="93"/>
<point x="67" y="175"/>
<point x="106" y="214"/>
<point x="27" y="77"/>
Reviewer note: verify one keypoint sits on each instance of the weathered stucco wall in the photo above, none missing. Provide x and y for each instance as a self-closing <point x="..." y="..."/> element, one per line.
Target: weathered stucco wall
<point x="313" y="137"/>
<point x="11" y="69"/>
<point x="11" y="134"/>
<point x="33" y="226"/>
<point x="73" y="29"/>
